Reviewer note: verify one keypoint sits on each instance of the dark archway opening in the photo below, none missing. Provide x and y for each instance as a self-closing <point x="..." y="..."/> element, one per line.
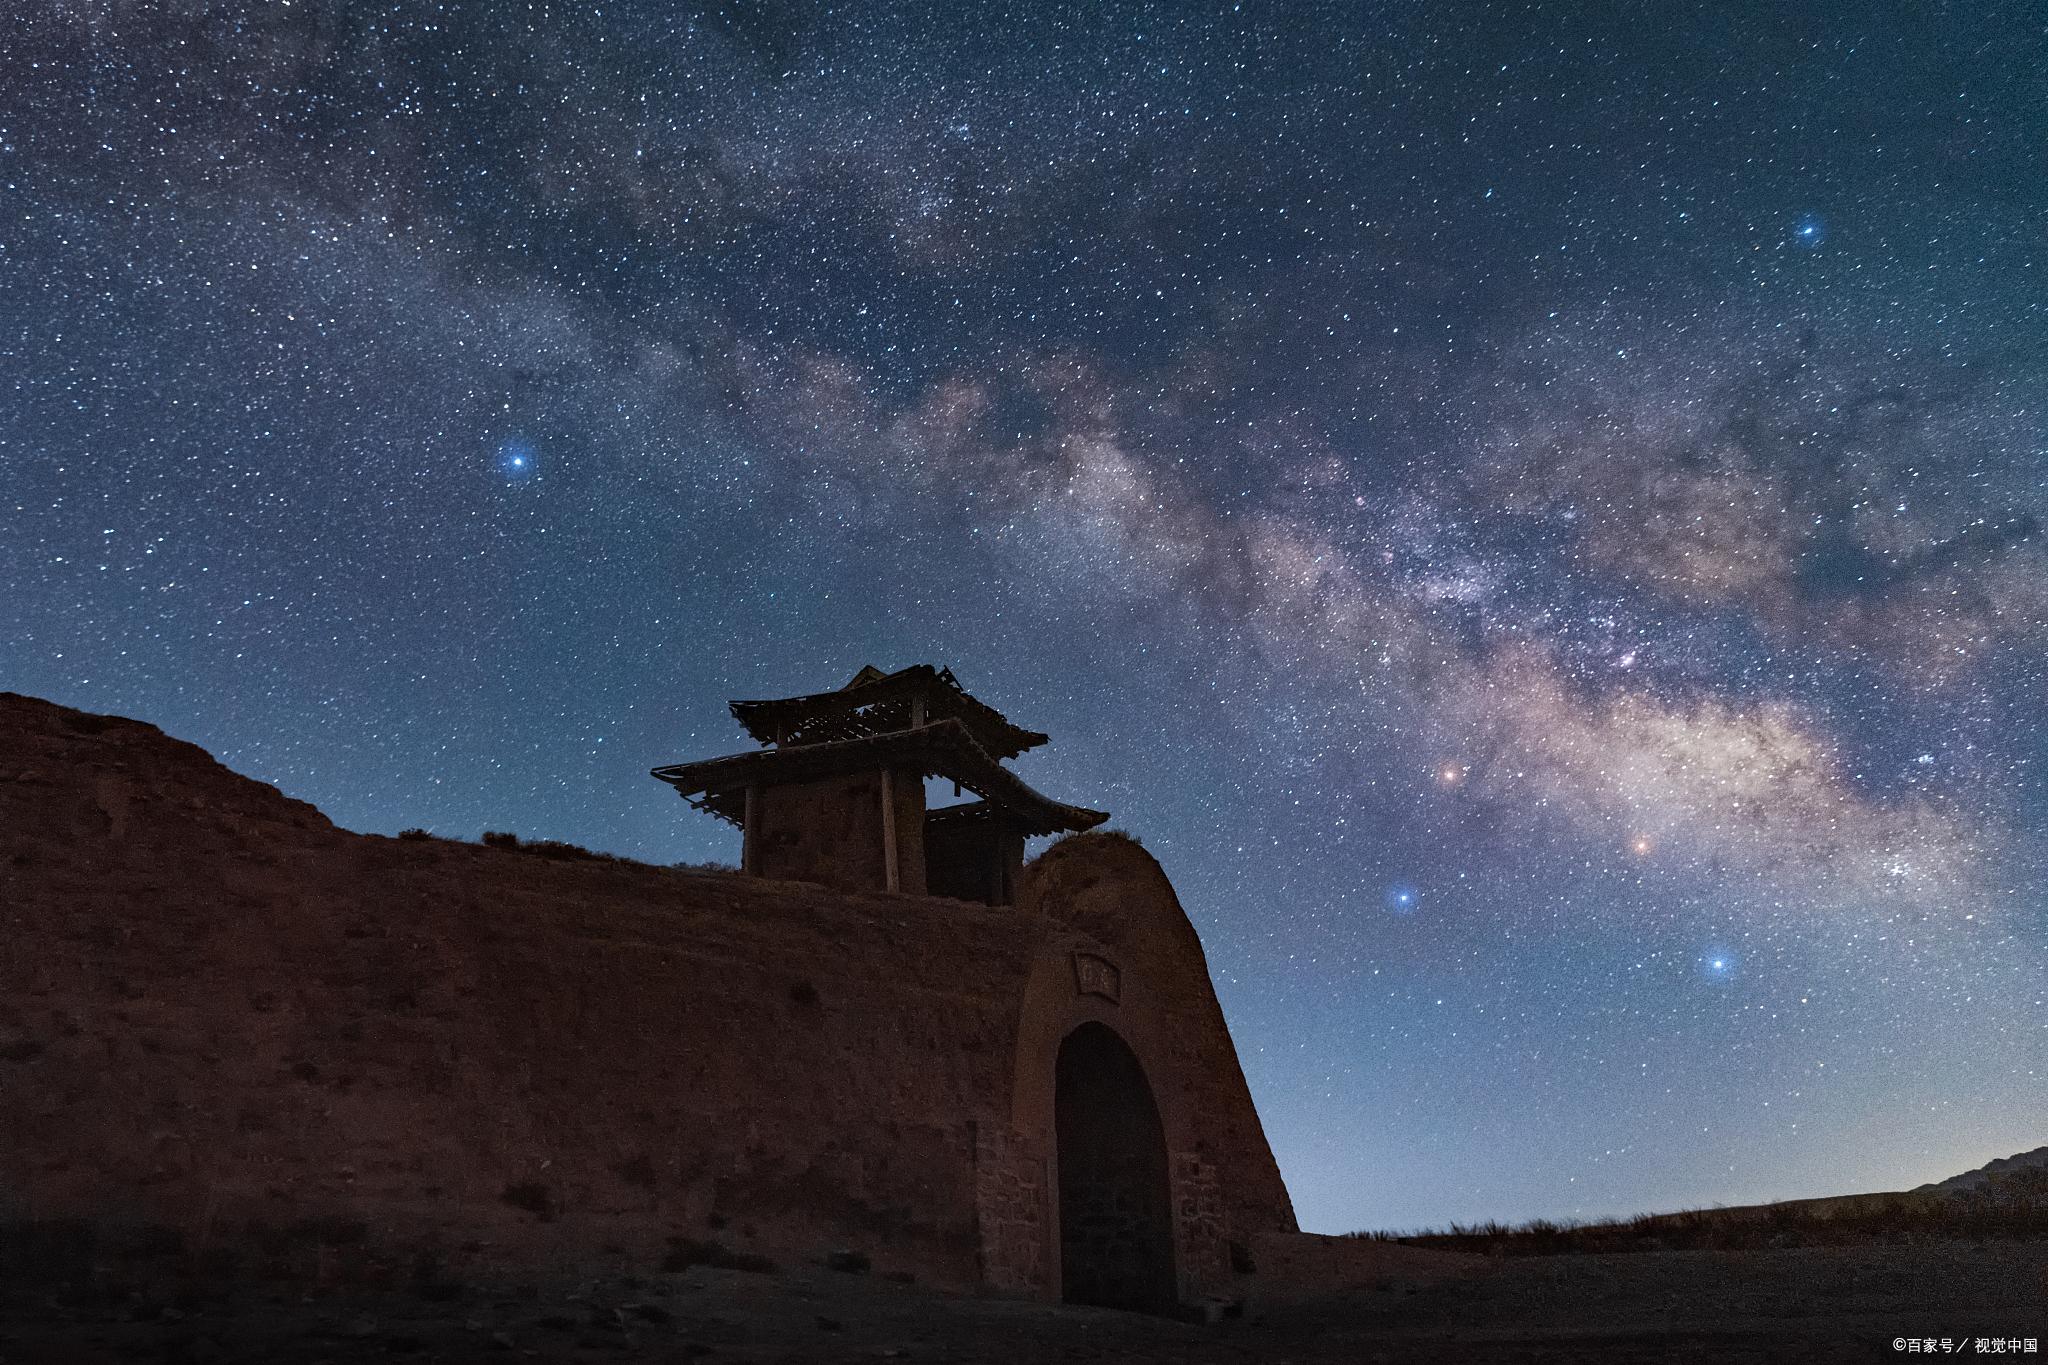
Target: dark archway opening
<point x="1116" y="1212"/>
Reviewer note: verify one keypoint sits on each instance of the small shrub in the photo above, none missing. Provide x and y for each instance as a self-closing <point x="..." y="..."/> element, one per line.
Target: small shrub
<point x="1098" y="836"/>
<point x="684" y="1252"/>
<point x="414" y="833"/>
<point x="431" y="1281"/>
<point x="557" y="849"/>
<point x="534" y="1197"/>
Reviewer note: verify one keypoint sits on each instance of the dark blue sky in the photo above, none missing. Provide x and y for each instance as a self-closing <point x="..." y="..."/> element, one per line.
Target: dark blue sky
<point x="1531" y="513"/>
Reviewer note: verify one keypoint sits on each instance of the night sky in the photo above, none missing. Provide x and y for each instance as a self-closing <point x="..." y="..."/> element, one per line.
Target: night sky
<point x="1532" y="513"/>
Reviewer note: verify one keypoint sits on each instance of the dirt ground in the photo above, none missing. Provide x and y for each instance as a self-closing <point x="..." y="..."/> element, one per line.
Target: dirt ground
<point x="1825" y="1304"/>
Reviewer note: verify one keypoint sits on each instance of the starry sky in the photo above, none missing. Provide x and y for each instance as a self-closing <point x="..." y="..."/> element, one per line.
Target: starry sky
<point x="1532" y="514"/>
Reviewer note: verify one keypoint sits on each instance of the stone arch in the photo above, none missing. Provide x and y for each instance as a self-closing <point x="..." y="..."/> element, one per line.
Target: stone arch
<point x="1115" y="1207"/>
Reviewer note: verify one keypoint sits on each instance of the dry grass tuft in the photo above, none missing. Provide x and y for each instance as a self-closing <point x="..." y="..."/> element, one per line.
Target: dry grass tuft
<point x="2013" y="1207"/>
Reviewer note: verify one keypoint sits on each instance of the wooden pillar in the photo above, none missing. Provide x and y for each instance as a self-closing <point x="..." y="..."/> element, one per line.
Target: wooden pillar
<point x="916" y="710"/>
<point x="750" y="838"/>
<point x="891" y="878"/>
<point x="1008" y="856"/>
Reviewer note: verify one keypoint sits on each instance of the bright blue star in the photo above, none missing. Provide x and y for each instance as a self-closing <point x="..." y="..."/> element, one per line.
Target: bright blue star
<point x="518" y="461"/>
<point x="1810" y="231"/>
<point x="1718" y="964"/>
<point x="1402" y="898"/>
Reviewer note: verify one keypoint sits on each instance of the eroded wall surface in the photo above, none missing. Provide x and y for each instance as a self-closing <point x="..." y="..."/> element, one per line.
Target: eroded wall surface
<point x="829" y="831"/>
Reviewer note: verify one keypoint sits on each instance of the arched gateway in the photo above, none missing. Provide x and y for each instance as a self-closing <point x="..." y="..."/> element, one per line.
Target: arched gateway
<point x="1115" y="1208"/>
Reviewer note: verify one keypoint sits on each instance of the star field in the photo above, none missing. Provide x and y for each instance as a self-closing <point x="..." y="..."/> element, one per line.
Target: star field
<point x="1533" y="516"/>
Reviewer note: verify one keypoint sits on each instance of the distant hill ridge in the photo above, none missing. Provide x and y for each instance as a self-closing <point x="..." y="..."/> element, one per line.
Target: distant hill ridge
<point x="1992" y="1170"/>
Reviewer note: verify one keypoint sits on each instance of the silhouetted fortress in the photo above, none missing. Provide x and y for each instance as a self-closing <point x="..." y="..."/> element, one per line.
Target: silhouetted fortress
<point x="223" y="1016"/>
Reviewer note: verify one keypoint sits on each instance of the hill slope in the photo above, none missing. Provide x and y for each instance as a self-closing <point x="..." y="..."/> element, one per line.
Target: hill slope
<point x="1994" y="1170"/>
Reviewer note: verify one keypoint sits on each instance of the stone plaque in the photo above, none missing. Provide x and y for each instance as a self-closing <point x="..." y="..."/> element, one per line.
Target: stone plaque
<point x="1097" y="976"/>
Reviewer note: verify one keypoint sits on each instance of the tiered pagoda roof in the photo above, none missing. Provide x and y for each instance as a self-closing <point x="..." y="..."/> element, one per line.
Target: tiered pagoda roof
<point x="876" y="702"/>
<point x="916" y="718"/>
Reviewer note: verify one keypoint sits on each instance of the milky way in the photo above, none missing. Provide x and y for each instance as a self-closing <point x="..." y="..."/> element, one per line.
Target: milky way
<point x="1534" y="517"/>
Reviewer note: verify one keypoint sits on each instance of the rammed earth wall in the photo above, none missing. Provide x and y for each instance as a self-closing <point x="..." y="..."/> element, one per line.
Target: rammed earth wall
<point x="220" y="1013"/>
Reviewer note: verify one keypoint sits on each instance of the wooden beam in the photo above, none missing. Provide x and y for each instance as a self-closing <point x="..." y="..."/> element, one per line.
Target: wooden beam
<point x="890" y="877"/>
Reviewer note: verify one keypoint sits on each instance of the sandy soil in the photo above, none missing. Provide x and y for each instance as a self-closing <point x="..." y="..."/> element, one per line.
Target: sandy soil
<point x="1796" y="1304"/>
